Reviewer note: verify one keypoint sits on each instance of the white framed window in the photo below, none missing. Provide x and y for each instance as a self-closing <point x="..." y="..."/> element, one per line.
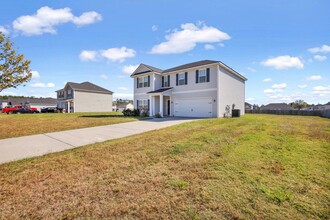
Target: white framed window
<point x="181" y="79"/>
<point x="202" y="76"/>
<point x="166" y="81"/>
<point x="143" y="82"/>
<point x="69" y="92"/>
<point x="143" y="104"/>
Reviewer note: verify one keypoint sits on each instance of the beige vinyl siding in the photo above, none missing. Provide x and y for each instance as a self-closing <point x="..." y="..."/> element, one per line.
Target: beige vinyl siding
<point x="192" y="85"/>
<point x="92" y="102"/>
<point x="231" y="91"/>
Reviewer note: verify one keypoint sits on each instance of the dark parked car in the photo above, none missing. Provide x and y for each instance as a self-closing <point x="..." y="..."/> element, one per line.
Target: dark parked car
<point x="24" y="111"/>
<point x="51" y="110"/>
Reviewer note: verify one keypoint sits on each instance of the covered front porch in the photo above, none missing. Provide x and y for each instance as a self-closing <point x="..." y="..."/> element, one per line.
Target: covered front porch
<point x="161" y="102"/>
<point x="68" y="105"/>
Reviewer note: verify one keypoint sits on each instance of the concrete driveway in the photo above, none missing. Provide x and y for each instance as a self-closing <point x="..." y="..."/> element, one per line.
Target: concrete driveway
<point x="12" y="149"/>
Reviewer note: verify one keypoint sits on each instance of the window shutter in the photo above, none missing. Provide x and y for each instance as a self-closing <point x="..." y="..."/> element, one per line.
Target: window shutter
<point x="137" y="104"/>
<point x="162" y="81"/>
<point x="186" y="77"/>
<point x="168" y="81"/>
<point x="148" y="104"/>
<point x="137" y="84"/>
<point x="177" y="79"/>
<point x="208" y="75"/>
<point x="196" y="76"/>
<point x="148" y="81"/>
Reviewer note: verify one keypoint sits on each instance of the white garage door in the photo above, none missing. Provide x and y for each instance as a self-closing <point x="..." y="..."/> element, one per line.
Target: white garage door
<point x="193" y="108"/>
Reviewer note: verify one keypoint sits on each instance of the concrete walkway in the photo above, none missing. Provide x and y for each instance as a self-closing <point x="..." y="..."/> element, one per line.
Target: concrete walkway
<point x="12" y="149"/>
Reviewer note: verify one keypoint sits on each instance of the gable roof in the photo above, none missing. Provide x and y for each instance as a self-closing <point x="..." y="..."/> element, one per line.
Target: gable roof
<point x="19" y="101"/>
<point x="87" y="86"/>
<point x="190" y="65"/>
<point x="276" y="106"/>
<point x="151" y="69"/>
<point x="187" y="66"/>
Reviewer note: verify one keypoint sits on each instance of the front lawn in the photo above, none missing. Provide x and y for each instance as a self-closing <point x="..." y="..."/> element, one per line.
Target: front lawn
<point x="27" y="124"/>
<point x="253" y="167"/>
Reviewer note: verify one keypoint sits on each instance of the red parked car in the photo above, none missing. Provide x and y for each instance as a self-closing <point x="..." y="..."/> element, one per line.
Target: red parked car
<point x="10" y="110"/>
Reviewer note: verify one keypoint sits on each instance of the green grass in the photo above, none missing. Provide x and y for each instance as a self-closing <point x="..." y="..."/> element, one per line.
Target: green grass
<point x="253" y="167"/>
<point x="27" y="124"/>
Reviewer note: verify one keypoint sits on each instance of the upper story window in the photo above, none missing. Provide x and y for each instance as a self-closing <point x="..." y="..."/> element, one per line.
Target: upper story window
<point x="166" y="81"/>
<point x="143" y="82"/>
<point x="60" y="94"/>
<point x="69" y="92"/>
<point x="182" y="79"/>
<point x="203" y="75"/>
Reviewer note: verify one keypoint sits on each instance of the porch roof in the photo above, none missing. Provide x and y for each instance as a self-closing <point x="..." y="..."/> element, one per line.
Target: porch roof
<point x="160" y="90"/>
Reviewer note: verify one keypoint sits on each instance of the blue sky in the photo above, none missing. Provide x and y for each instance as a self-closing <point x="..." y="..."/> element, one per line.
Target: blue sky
<point x="282" y="47"/>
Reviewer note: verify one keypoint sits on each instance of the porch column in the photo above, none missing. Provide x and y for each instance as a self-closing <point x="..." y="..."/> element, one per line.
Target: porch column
<point x="170" y="106"/>
<point x="68" y="107"/>
<point x="151" y="110"/>
<point x="161" y="105"/>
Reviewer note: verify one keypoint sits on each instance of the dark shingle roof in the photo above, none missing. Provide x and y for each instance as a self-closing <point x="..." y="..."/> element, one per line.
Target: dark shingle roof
<point x="159" y="90"/>
<point x="87" y="86"/>
<point x="276" y="106"/>
<point x="190" y="65"/>
<point x="151" y="69"/>
<point x="44" y="101"/>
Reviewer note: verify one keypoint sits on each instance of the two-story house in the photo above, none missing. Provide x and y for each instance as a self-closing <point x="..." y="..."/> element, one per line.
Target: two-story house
<point x="200" y="89"/>
<point x="84" y="97"/>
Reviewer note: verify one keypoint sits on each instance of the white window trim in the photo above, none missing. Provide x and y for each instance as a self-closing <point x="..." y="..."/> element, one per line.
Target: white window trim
<point x="200" y="72"/>
<point x="184" y="79"/>
<point x="166" y="81"/>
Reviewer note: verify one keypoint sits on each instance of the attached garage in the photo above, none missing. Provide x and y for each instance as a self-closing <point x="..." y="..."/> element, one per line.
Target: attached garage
<point x="198" y="107"/>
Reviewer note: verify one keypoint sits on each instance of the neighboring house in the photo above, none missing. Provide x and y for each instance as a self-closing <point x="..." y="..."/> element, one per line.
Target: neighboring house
<point x="276" y="106"/>
<point x="316" y="107"/>
<point x="122" y="106"/>
<point x="199" y="89"/>
<point x="248" y="106"/>
<point x="37" y="103"/>
<point x="84" y="97"/>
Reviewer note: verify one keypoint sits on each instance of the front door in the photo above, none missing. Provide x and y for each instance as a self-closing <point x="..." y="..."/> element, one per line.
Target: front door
<point x="168" y="107"/>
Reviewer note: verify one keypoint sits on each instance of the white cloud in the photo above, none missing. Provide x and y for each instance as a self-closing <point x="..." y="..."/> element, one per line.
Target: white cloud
<point x="209" y="47"/>
<point x="267" y="80"/>
<point x="269" y="91"/>
<point x="321" y="90"/>
<point x="188" y="37"/>
<point x="103" y="76"/>
<point x="129" y="69"/>
<point x="249" y="99"/>
<point x="221" y="45"/>
<point x="314" y="78"/>
<point x="320" y="58"/>
<point x="302" y="86"/>
<point x="35" y="74"/>
<point x="154" y="28"/>
<point x="42" y="85"/>
<point x="252" y="69"/>
<point x="123" y="88"/>
<point x="118" y="54"/>
<point x="46" y="19"/>
<point x="88" y="55"/>
<point x="279" y="86"/>
<point x="283" y="62"/>
<point x="87" y="18"/>
<point x="4" y="30"/>
<point x="122" y="96"/>
<point x="276" y="88"/>
<point x="322" y="49"/>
